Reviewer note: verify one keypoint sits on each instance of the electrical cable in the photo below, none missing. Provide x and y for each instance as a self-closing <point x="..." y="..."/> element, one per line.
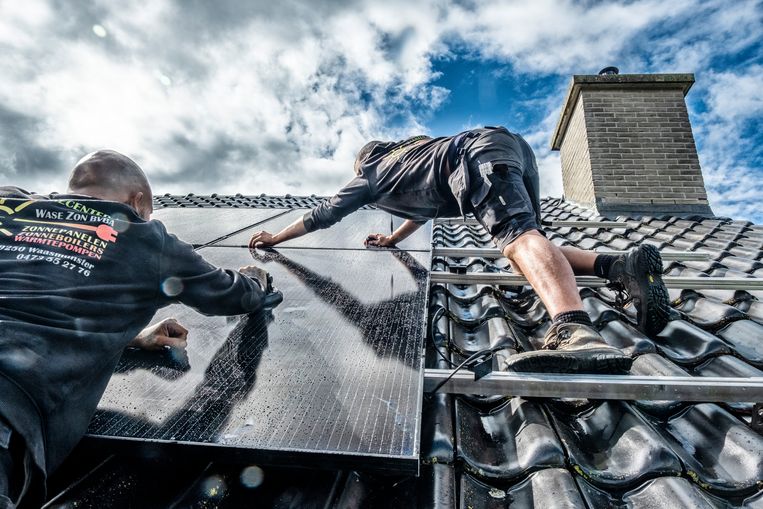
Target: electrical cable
<point x="435" y="318"/>
<point x="469" y="360"/>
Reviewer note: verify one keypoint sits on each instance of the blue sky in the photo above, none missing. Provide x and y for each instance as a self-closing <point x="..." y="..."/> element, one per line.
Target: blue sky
<point x="276" y="97"/>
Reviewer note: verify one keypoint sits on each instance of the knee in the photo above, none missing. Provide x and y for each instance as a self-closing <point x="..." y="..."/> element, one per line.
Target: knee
<point x="523" y="242"/>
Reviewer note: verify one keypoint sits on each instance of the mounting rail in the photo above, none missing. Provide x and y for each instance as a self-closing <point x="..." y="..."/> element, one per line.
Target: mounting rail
<point x="622" y="387"/>
<point x="554" y="224"/>
<point x="463" y="252"/>
<point x="507" y="278"/>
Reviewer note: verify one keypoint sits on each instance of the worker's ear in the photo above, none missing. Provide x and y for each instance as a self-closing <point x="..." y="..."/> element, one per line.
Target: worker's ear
<point x="136" y="202"/>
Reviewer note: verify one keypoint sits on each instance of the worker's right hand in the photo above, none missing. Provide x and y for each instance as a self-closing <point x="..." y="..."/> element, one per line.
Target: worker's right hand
<point x="261" y="275"/>
<point x="262" y="239"/>
<point x="272" y="296"/>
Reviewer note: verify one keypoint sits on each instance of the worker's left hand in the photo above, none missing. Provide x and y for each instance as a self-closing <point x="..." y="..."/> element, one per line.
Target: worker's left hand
<point x="168" y="332"/>
<point x="262" y="239"/>
<point x="379" y="240"/>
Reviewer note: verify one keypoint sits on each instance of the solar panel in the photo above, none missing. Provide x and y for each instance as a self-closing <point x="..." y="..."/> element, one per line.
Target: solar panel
<point x="349" y="233"/>
<point x="200" y="226"/>
<point x="333" y="375"/>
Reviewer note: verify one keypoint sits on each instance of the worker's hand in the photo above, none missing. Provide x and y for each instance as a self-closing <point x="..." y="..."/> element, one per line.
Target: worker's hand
<point x="254" y="272"/>
<point x="262" y="239"/>
<point x="273" y="296"/>
<point x="379" y="240"/>
<point x="168" y="332"/>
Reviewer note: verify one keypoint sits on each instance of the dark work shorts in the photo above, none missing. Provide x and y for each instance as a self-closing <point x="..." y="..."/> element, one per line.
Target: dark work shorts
<point x="504" y="185"/>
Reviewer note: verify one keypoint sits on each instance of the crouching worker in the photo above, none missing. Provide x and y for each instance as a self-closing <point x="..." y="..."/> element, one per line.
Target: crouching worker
<point x="492" y="173"/>
<point x="81" y="275"/>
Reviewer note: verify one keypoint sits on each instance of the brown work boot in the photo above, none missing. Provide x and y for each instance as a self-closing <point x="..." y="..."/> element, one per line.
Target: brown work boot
<point x="571" y="348"/>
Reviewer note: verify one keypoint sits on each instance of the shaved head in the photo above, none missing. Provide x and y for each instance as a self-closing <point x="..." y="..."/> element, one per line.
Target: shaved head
<point x="109" y="175"/>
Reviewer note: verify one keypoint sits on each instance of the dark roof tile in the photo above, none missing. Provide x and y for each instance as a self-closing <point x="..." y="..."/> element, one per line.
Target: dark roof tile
<point x="729" y="366"/>
<point x="528" y="317"/>
<point x="613" y="446"/>
<point x="476" y="312"/>
<point x="599" y="311"/>
<point x="490" y="333"/>
<point x="663" y="492"/>
<point x="507" y="442"/>
<point x="551" y="487"/>
<point x="464" y="293"/>
<point x="709" y="314"/>
<point x="687" y="344"/>
<point x="746" y="337"/>
<point x="437" y="437"/>
<point x="719" y="451"/>
<point x="625" y="337"/>
<point x="753" y="308"/>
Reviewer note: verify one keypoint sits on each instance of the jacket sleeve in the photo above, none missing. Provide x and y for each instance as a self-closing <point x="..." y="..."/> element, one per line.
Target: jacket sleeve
<point x="349" y="199"/>
<point x="186" y="277"/>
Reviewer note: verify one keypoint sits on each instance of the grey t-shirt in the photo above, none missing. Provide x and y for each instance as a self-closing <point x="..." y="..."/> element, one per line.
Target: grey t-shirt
<point x="408" y="178"/>
<point x="421" y="178"/>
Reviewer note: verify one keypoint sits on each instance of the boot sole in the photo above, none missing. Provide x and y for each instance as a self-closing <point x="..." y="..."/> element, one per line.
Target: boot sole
<point x="594" y="361"/>
<point x="654" y="313"/>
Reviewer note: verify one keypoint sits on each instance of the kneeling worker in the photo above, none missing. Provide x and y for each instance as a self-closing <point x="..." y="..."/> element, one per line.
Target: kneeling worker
<point x="81" y="275"/>
<point x="492" y="173"/>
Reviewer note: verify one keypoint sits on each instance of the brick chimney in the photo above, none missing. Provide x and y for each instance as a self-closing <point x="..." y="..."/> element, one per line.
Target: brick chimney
<point x="627" y="146"/>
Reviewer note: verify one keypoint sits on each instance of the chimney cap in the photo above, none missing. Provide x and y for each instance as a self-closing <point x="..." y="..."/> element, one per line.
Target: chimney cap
<point x="609" y="70"/>
<point x="683" y="81"/>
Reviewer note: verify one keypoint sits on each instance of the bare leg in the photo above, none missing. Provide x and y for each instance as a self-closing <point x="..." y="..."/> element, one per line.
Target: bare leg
<point x="581" y="261"/>
<point x="568" y="347"/>
<point x="547" y="270"/>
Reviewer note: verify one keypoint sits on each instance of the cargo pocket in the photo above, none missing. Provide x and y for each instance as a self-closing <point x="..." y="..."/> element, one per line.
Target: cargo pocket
<point x="502" y="204"/>
<point x="457" y="184"/>
<point x="480" y="191"/>
<point x="509" y="190"/>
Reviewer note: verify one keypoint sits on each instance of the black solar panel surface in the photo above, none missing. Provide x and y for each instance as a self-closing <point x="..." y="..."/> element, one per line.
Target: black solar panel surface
<point x="200" y="226"/>
<point x="349" y="233"/>
<point x="333" y="374"/>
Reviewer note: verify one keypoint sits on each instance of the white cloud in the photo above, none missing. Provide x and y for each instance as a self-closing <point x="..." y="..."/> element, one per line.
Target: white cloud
<point x="276" y="97"/>
<point x="736" y="96"/>
<point x="733" y="99"/>
<point x="562" y="35"/>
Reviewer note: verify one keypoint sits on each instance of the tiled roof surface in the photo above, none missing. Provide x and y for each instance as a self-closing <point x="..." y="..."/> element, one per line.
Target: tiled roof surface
<point x="501" y="451"/>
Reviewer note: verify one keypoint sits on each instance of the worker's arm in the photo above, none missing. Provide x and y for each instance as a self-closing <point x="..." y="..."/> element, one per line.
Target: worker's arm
<point x="403" y="232"/>
<point x="186" y="277"/>
<point x="168" y="332"/>
<point x="349" y="199"/>
<point x="265" y="239"/>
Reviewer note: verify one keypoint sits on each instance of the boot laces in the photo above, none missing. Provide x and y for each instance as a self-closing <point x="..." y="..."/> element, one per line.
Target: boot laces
<point x="556" y="340"/>
<point x="622" y="298"/>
